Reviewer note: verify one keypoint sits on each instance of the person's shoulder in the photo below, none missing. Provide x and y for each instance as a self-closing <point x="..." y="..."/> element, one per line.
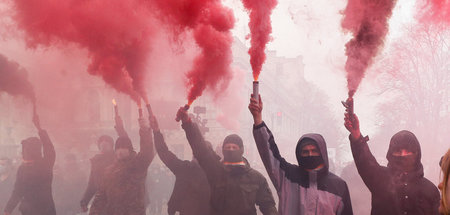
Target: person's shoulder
<point x="428" y="187"/>
<point x="334" y="178"/>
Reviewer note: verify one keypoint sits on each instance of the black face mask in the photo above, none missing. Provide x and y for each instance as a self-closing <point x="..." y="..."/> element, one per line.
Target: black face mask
<point x="310" y="162"/>
<point x="404" y="163"/>
<point x="232" y="156"/>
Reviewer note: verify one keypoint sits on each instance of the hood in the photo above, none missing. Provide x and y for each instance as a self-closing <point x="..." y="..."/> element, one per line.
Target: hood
<point x="405" y="140"/>
<point x="321" y="144"/>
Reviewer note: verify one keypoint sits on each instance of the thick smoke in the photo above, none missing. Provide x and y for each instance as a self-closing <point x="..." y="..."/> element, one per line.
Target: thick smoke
<point x="260" y="29"/>
<point x="436" y="11"/>
<point x="367" y="20"/>
<point x="14" y="79"/>
<point x="116" y="33"/>
<point x="210" y="23"/>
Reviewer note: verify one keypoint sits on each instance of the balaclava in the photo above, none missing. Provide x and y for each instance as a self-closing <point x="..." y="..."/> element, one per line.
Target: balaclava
<point x="233" y="156"/>
<point x="308" y="162"/>
<point x="404" y="140"/>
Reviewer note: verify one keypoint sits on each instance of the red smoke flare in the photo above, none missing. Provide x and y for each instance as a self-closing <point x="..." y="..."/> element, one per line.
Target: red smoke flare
<point x="368" y="22"/>
<point x="436" y="11"/>
<point x="210" y="23"/>
<point x="14" y="80"/>
<point x="115" y="32"/>
<point x="260" y="29"/>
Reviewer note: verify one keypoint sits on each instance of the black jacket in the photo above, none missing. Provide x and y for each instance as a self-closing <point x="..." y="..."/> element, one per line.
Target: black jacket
<point x="122" y="188"/>
<point x="191" y="192"/>
<point x="393" y="191"/>
<point x="33" y="186"/>
<point x="98" y="165"/>
<point x="235" y="190"/>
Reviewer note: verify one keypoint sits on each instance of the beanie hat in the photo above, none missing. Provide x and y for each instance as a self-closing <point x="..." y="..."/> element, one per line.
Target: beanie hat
<point x="105" y="138"/>
<point x="234" y="138"/>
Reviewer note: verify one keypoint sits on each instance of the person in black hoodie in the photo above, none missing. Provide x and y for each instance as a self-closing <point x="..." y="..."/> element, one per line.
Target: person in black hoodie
<point x="236" y="188"/>
<point x="33" y="186"/>
<point x="191" y="193"/>
<point x="306" y="188"/>
<point x="399" y="188"/>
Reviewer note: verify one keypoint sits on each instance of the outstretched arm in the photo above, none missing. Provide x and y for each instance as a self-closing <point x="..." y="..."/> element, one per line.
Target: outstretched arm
<point x="146" y="153"/>
<point x="47" y="145"/>
<point x="277" y="167"/>
<point x="207" y="158"/>
<point x="368" y="167"/>
<point x="120" y="129"/>
<point x="167" y="157"/>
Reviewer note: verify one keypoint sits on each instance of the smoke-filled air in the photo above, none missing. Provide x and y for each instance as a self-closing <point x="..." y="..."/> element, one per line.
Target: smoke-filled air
<point x="367" y="21"/>
<point x="260" y="28"/>
<point x="224" y="107"/>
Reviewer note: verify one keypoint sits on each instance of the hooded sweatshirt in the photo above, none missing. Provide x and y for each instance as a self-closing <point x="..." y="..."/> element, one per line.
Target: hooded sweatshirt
<point x="301" y="191"/>
<point x="394" y="190"/>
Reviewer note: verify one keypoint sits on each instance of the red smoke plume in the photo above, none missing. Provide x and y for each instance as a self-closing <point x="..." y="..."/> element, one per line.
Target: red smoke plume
<point x="260" y="29"/>
<point x="116" y="33"/>
<point x="210" y="23"/>
<point x="14" y="80"/>
<point x="436" y="11"/>
<point x="367" y="20"/>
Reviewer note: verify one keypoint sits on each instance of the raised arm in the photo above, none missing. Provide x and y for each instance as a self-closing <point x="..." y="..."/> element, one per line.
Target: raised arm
<point x="207" y="158"/>
<point x="277" y="167"/>
<point x="17" y="194"/>
<point x="167" y="157"/>
<point x="119" y="127"/>
<point x="146" y="152"/>
<point x="47" y="145"/>
<point x="368" y="167"/>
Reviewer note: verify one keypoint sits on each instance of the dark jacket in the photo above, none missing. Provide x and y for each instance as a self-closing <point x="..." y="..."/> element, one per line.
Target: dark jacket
<point x="191" y="192"/>
<point x="122" y="189"/>
<point x="301" y="191"/>
<point x="394" y="191"/>
<point x="33" y="187"/>
<point x="235" y="190"/>
<point x="99" y="163"/>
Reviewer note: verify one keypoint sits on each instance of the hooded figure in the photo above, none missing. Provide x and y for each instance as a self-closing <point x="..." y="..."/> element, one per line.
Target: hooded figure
<point x="191" y="192"/>
<point x="33" y="186"/>
<point x="306" y="188"/>
<point x="399" y="188"/>
<point x="236" y="188"/>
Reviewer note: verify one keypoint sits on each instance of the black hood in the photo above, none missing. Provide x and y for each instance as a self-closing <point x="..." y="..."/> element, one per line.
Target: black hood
<point x="321" y="144"/>
<point x="405" y="140"/>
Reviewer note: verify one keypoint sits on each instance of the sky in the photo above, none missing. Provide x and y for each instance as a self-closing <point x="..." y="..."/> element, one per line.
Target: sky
<point x="312" y="29"/>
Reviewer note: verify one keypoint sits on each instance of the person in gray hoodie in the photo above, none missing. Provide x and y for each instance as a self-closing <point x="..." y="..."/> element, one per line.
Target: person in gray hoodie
<point x="306" y="188"/>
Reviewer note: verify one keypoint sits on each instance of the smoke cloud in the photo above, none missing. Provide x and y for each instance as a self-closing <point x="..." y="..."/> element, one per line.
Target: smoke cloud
<point x="14" y="79"/>
<point x="210" y="23"/>
<point x="368" y="22"/>
<point x="116" y="33"/>
<point x="436" y="11"/>
<point x="260" y="29"/>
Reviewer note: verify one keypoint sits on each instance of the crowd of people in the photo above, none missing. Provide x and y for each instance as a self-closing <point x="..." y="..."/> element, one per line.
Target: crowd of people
<point x="123" y="181"/>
